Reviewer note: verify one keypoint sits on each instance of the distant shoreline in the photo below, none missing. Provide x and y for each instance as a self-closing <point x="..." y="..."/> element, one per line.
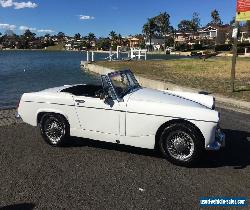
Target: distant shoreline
<point x="95" y="51"/>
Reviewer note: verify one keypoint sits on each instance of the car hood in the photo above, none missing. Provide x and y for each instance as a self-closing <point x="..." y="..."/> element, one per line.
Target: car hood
<point x="173" y="97"/>
<point x="172" y="103"/>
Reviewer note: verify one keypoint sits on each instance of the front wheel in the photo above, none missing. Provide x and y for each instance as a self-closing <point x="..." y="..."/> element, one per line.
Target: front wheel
<point x="54" y="129"/>
<point x="181" y="144"/>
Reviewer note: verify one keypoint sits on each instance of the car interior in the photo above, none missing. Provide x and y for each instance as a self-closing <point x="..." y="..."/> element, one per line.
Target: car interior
<point x="85" y="90"/>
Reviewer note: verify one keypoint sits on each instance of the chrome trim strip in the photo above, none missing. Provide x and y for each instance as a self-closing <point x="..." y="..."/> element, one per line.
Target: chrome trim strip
<point x="49" y="103"/>
<point x="156" y="115"/>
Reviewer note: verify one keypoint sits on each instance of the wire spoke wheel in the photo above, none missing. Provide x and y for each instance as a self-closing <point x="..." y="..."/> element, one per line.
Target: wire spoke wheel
<point x="54" y="130"/>
<point x="180" y="145"/>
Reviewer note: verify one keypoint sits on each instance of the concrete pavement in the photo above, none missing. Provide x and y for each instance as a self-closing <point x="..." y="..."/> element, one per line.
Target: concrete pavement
<point x="87" y="174"/>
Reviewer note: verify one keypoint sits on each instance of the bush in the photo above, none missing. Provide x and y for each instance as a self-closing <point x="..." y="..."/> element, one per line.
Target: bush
<point x="243" y="45"/>
<point x="197" y="47"/>
<point x="182" y="47"/>
<point x="223" y="47"/>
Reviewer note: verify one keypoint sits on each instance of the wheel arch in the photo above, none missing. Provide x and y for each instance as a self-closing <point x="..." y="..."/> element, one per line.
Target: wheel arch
<point x="174" y="121"/>
<point x="43" y="113"/>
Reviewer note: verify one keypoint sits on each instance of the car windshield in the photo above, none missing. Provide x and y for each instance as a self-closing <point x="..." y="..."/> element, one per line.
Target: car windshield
<point x="124" y="82"/>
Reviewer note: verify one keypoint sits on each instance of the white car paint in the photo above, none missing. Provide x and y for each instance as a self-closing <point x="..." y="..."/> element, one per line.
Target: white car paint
<point x="133" y="121"/>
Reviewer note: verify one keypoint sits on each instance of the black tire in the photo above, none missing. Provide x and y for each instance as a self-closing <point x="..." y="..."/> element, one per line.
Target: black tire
<point x="179" y="140"/>
<point x="54" y="129"/>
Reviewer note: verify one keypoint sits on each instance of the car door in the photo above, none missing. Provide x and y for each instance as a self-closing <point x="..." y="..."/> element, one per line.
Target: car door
<point x="95" y="115"/>
<point x="100" y="118"/>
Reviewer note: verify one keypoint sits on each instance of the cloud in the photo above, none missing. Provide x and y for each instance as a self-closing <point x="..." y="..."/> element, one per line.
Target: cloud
<point x="86" y="17"/>
<point x="45" y="31"/>
<point x="6" y="26"/>
<point x="17" y="5"/>
<point x="24" y="28"/>
<point x="23" y="5"/>
<point x="6" y="3"/>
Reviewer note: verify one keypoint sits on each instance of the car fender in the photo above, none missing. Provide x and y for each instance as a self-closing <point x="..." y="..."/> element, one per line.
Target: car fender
<point x="51" y="110"/>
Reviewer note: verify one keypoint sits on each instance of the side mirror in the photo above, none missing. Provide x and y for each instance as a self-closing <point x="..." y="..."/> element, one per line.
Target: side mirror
<point x="109" y="101"/>
<point x="105" y="94"/>
<point x="102" y="95"/>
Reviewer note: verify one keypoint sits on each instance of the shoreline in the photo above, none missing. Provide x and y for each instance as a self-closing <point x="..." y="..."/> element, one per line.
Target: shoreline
<point x="7" y="117"/>
<point x="175" y="53"/>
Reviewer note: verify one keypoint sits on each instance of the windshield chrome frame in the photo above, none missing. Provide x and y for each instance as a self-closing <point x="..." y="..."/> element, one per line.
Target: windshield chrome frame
<point x="108" y="77"/>
<point x="111" y="86"/>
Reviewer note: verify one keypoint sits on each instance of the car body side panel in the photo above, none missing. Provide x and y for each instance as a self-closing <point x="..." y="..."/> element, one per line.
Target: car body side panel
<point x="32" y="104"/>
<point x="144" y="127"/>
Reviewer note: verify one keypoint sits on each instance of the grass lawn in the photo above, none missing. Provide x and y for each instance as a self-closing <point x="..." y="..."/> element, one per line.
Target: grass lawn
<point x="212" y="75"/>
<point x="57" y="47"/>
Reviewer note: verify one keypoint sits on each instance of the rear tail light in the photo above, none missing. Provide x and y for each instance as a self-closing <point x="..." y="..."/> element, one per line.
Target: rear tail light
<point x="17" y="106"/>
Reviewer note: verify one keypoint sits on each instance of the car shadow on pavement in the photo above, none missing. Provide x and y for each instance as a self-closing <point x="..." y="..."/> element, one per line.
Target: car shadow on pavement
<point x="21" y="206"/>
<point x="82" y="142"/>
<point x="235" y="154"/>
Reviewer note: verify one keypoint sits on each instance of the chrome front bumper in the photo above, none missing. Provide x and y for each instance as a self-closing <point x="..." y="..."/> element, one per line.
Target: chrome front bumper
<point x="17" y="116"/>
<point x="220" y="140"/>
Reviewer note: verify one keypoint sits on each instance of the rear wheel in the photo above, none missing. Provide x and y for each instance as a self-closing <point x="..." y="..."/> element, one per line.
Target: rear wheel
<point x="181" y="144"/>
<point x="54" y="129"/>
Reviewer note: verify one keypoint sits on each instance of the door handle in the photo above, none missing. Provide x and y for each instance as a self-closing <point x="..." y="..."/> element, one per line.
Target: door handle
<point x="79" y="101"/>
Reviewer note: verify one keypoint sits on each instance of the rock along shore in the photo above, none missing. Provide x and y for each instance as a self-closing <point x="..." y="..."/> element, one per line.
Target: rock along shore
<point x="7" y="117"/>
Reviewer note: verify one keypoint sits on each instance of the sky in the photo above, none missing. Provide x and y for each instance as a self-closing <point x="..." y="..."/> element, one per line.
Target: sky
<point x="102" y="16"/>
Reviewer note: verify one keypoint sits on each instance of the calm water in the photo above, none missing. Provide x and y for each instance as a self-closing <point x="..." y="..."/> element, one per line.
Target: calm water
<point x="28" y="71"/>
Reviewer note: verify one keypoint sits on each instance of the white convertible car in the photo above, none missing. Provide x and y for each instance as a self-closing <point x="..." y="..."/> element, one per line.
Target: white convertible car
<point x="181" y="125"/>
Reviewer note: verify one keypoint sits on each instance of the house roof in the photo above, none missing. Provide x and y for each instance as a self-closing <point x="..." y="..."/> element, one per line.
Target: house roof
<point x="225" y="27"/>
<point x="133" y="39"/>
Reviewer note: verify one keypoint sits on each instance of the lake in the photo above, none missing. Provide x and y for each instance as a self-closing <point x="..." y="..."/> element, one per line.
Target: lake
<point x="28" y="71"/>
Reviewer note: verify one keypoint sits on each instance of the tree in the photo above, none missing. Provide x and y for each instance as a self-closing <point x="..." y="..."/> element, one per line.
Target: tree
<point x="120" y="39"/>
<point x="91" y="37"/>
<point x="26" y="40"/>
<point x="185" y="25"/>
<point x="60" y="36"/>
<point x="162" y="22"/>
<point x="47" y="36"/>
<point x="195" y="22"/>
<point x="216" y="20"/>
<point x="104" y="44"/>
<point x="77" y="36"/>
<point x="28" y="35"/>
<point x="113" y="35"/>
<point x="149" y="29"/>
<point x="248" y="27"/>
<point x="232" y="22"/>
<point x="190" y="25"/>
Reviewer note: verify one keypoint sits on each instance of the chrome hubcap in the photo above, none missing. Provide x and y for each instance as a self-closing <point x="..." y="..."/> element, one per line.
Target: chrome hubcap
<point x="54" y="130"/>
<point x="180" y="145"/>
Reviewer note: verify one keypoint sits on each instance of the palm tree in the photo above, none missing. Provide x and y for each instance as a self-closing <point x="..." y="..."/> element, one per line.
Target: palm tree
<point x="77" y="36"/>
<point x="90" y="38"/>
<point x="149" y="29"/>
<point x="120" y="39"/>
<point x="113" y="35"/>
